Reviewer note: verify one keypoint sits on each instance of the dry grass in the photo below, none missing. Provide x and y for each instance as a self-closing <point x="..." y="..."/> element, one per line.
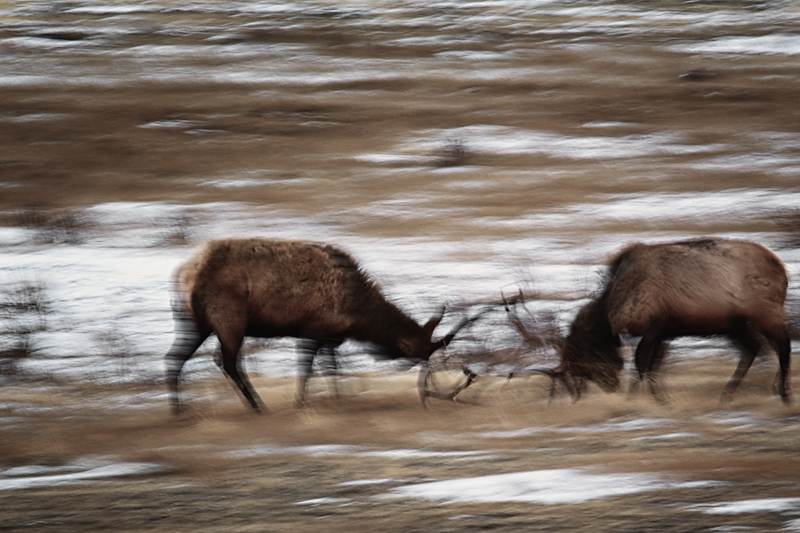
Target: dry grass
<point x="754" y="462"/>
<point x="386" y="414"/>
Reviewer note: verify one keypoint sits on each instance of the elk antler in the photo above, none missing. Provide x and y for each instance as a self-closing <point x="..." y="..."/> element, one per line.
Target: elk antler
<point x="466" y="321"/>
<point x="536" y="340"/>
<point x="532" y="338"/>
<point x="426" y="376"/>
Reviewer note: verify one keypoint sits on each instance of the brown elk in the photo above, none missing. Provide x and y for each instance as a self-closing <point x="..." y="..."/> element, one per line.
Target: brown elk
<point x="702" y="287"/>
<point x="271" y="288"/>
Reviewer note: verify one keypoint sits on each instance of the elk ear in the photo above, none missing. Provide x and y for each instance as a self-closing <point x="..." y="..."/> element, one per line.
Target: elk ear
<point x="433" y="322"/>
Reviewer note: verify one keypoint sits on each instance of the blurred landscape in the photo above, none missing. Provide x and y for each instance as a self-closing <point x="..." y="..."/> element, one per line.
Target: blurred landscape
<point x="459" y="150"/>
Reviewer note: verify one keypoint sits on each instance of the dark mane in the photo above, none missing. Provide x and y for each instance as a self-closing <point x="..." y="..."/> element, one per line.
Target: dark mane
<point x="364" y="297"/>
<point x="591" y="350"/>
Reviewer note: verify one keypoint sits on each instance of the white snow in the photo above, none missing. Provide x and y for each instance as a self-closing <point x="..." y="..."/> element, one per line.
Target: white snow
<point x="668" y="436"/>
<point x="39" y="476"/>
<point x="762" y="505"/>
<point x="358" y="482"/>
<point x="773" y="44"/>
<point x="339" y="449"/>
<point x="625" y="425"/>
<point x="323" y="500"/>
<point x="508" y="140"/>
<point x="546" y="487"/>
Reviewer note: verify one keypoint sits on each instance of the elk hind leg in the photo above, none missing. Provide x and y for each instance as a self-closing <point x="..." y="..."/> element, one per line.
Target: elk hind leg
<point x="748" y="344"/>
<point x="188" y="338"/>
<point x="781" y="342"/>
<point x="784" y="377"/>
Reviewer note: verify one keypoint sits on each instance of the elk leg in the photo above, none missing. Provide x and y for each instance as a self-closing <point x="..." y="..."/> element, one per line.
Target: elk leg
<point x="329" y="351"/>
<point x="307" y="350"/>
<point x="659" y="350"/>
<point x="784" y="348"/>
<point x="576" y="386"/>
<point x="782" y="345"/>
<point x="648" y="361"/>
<point x="743" y="338"/>
<point x="230" y="343"/>
<point x="641" y="361"/>
<point x="188" y="339"/>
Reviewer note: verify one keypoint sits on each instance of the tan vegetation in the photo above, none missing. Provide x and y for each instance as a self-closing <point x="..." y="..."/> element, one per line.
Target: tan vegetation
<point x="208" y="486"/>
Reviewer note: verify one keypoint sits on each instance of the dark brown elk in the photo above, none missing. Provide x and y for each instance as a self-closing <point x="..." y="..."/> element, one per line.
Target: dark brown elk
<point x="272" y="288"/>
<point x="700" y="287"/>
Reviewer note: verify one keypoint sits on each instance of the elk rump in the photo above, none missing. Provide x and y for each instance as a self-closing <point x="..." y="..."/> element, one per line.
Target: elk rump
<point x="702" y="287"/>
<point x="271" y="288"/>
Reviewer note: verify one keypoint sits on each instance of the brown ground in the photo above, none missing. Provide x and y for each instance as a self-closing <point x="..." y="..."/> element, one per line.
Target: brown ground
<point x="205" y="490"/>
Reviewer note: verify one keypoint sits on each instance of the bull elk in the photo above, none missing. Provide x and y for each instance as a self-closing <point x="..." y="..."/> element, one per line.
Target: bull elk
<point x="701" y="287"/>
<point x="271" y="288"/>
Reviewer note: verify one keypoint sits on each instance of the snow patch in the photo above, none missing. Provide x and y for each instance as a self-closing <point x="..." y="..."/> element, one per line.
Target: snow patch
<point x="763" y="505"/>
<point x="546" y="487"/>
<point x="775" y="44"/>
<point x="32" y="476"/>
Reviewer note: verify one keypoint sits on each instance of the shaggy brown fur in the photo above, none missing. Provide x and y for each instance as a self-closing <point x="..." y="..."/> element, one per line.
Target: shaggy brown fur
<point x="271" y="288"/>
<point x="699" y="287"/>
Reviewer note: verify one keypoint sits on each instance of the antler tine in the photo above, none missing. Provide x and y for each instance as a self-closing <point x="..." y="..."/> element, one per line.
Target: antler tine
<point x="511" y="302"/>
<point x="426" y="378"/>
<point x="522" y="298"/>
<point x="533" y="338"/>
<point x="466" y="321"/>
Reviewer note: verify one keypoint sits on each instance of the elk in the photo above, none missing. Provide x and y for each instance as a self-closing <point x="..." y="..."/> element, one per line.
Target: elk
<point x="701" y="287"/>
<point x="272" y="288"/>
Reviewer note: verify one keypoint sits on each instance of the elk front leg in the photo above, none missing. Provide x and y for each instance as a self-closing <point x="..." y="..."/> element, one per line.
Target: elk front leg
<point x="230" y="343"/>
<point x="306" y="351"/>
